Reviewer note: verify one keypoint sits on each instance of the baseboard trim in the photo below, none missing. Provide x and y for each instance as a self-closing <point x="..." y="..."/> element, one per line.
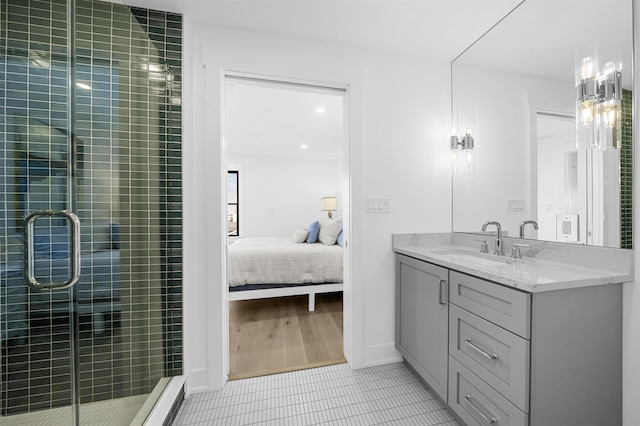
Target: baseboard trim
<point x="381" y="354"/>
<point x="197" y="381"/>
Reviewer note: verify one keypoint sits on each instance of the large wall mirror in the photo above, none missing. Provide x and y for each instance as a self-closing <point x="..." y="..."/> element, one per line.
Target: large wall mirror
<point x="515" y="91"/>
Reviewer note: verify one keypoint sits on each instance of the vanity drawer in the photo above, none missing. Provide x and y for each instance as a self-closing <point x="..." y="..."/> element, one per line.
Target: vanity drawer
<point x="494" y="354"/>
<point x="501" y="305"/>
<point x="477" y="403"/>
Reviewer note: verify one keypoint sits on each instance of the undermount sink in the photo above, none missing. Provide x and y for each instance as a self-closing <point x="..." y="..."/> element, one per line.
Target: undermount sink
<point x="477" y="258"/>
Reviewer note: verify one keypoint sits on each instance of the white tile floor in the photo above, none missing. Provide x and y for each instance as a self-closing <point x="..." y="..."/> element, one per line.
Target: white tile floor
<point x="389" y="394"/>
<point x="113" y="412"/>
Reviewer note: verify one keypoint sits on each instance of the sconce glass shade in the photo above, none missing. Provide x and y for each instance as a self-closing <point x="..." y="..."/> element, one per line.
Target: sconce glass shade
<point x="610" y="109"/>
<point x="467" y="142"/>
<point x="586" y="123"/>
<point x="599" y="107"/>
<point x="453" y="142"/>
<point x="610" y="125"/>
<point x="328" y="204"/>
<point x="469" y="161"/>
<point x="463" y="162"/>
<point x="587" y="97"/>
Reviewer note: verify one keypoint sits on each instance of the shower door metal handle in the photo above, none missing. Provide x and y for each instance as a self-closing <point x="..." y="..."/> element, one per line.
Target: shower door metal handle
<point x="29" y="243"/>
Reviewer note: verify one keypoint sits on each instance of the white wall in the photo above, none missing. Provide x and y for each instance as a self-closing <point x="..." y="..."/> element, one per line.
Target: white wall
<point x="281" y="195"/>
<point x="399" y="119"/>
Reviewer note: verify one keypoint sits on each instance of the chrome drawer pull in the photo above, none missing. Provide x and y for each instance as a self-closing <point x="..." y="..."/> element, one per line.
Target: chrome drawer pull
<point x="491" y="420"/>
<point x="469" y="342"/>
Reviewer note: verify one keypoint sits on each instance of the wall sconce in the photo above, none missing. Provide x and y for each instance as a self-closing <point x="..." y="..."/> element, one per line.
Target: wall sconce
<point x="462" y="142"/>
<point x="599" y="106"/>
<point x="328" y="204"/>
<point x="462" y="151"/>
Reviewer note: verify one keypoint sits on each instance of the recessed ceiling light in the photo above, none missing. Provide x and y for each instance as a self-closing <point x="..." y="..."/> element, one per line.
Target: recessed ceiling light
<point x="320" y="110"/>
<point x="83" y="85"/>
<point x="304" y="146"/>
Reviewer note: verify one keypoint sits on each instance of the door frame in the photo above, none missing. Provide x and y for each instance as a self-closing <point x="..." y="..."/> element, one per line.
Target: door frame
<point x="348" y="293"/>
<point x="533" y="153"/>
<point x="531" y="149"/>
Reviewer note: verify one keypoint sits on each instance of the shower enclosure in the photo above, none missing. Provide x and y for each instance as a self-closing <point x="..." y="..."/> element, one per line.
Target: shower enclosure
<point x="90" y="211"/>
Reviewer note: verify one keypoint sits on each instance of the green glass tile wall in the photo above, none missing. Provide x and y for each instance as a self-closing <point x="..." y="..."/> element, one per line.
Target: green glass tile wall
<point x="165" y="32"/>
<point x="127" y="185"/>
<point x="626" y="172"/>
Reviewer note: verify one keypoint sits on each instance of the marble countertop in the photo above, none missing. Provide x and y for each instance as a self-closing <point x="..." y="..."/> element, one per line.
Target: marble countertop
<point x="544" y="267"/>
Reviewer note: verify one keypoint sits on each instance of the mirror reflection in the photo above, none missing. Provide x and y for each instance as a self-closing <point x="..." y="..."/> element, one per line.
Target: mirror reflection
<point x="541" y="124"/>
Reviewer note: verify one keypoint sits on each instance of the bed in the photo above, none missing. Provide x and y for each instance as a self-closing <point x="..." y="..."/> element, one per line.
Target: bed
<point x="266" y="267"/>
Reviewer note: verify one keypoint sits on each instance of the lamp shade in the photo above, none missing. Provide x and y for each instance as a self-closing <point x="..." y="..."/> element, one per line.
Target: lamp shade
<point x="328" y="204"/>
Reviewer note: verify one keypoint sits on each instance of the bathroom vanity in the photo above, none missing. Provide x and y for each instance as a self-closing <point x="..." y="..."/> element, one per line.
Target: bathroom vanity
<point x="531" y="341"/>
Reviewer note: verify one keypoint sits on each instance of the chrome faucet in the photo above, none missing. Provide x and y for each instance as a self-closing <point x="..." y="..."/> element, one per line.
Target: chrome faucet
<point x="498" y="250"/>
<point x="527" y="222"/>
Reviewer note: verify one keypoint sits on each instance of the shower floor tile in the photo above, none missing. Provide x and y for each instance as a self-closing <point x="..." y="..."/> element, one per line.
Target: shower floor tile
<point x="36" y="369"/>
<point x="115" y="412"/>
<point x="387" y="394"/>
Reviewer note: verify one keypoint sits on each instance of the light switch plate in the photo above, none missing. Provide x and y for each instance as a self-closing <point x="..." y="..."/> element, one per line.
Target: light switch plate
<point x="515" y="205"/>
<point x="378" y="205"/>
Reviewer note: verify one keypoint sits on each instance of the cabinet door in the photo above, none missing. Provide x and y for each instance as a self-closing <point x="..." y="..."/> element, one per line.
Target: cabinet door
<point x="422" y="319"/>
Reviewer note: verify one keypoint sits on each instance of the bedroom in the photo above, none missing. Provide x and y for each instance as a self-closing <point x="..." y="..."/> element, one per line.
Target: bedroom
<point x="284" y="154"/>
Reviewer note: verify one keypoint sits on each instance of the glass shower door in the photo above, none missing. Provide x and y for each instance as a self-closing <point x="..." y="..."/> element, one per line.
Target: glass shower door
<point x="87" y="122"/>
<point x="38" y="323"/>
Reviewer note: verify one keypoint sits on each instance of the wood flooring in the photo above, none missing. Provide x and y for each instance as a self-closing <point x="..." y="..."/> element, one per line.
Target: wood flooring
<point x="277" y="335"/>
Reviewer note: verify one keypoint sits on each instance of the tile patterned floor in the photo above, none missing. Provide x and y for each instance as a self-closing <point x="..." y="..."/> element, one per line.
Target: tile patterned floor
<point x="336" y="395"/>
<point x="114" y="412"/>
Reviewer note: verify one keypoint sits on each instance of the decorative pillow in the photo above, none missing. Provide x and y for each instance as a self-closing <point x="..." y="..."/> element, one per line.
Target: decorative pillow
<point x="329" y="231"/>
<point x="314" y="230"/>
<point x="340" y="240"/>
<point x="300" y="236"/>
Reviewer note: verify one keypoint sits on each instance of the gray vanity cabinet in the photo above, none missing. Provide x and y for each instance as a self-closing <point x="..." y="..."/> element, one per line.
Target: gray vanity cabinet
<point x="515" y="358"/>
<point x="422" y="319"/>
<point x="557" y="354"/>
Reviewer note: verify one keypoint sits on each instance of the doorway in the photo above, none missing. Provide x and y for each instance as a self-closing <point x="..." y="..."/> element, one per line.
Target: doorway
<point x="557" y="175"/>
<point x="285" y="150"/>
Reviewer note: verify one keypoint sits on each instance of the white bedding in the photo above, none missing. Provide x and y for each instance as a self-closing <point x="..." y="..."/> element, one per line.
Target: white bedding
<point x="277" y="260"/>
